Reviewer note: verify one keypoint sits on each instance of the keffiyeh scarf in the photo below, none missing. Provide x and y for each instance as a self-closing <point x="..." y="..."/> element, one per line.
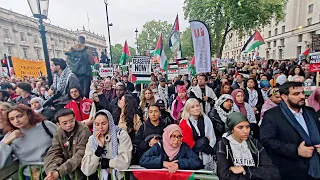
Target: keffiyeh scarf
<point x="60" y="83"/>
<point x="222" y="113"/>
<point x="253" y="97"/>
<point x="113" y="132"/>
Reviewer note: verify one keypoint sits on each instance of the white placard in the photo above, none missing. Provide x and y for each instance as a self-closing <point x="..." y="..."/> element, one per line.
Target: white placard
<point x="141" y="65"/>
<point x="105" y="72"/>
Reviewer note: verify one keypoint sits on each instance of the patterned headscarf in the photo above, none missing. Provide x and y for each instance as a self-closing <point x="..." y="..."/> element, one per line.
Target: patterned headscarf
<point x="222" y="113"/>
<point x="113" y="132"/>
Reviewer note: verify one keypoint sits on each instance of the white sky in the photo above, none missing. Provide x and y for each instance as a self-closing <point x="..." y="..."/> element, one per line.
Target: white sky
<point x="126" y="15"/>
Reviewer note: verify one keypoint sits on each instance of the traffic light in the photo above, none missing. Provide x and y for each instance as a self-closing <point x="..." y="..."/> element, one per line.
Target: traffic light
<point x="4" y="63"/>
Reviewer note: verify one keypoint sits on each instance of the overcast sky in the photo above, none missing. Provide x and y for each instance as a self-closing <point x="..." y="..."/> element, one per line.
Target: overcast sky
<point x="126" y="15"/>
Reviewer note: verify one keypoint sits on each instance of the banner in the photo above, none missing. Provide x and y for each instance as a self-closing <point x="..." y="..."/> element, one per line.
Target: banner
<point x="201" y="46"/>
<point x="141" y="70"/>
<point x="105" y="72"/>
<point x="141" y="65"/>
<point x="32" y="68"/>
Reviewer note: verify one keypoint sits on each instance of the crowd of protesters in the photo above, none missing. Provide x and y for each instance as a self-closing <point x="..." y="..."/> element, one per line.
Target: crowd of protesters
<point x="249" y="121"/>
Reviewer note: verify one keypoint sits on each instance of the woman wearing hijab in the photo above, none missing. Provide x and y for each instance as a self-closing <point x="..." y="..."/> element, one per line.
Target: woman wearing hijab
<point x="240" y="106"/>
<point x="171" y="153"/>
<point x="253" y="95"/>
<point x="198" y="132"/>
<point x="265" y="88"/>
<point x="314" y="101"/>
<point x="108" y="147"/>
<point x="179" y="103"/>
<point x="222" y="108"/>
<point x="37" y="107"/>
<point x="241" y="157"/>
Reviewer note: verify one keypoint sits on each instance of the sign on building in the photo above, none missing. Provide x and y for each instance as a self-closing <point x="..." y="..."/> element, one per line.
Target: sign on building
<point x="316" y="42"/>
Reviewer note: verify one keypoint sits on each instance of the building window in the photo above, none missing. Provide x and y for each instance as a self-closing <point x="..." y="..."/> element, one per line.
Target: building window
<point x="310" y="8"/>
<point x="38" y="54"/>
<point x="300" y="37"/>
<point x="274" y="54"/>
<point x="35" y="39"/>
<point x="280" y="54"/>
<point x="58" y="54"/>
<point x="276" y="32"/>
<point x="285" y="6"/>
<point x="6" y="33"/>
<point x="275" y="43"/>
<point x="282" y="42"/>
<point x="284" y="17"/>
<point x="298" y="51"/>
<point x="309" y="21"/>
<point x="25" y="52"/>
<point x="9" y="50"/>
<point x="268" y="55"/>
<point x="269" y="33"/>
<point x="22" y="37"/>
<point x="283" y="29"/>
<point x="269" y="44"/>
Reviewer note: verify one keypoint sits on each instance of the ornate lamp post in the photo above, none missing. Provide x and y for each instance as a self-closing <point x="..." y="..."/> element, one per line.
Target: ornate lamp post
<point x="39" y="9"/>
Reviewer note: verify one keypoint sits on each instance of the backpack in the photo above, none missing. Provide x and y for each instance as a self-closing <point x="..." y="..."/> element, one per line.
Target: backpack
<point x="79" y="62"/>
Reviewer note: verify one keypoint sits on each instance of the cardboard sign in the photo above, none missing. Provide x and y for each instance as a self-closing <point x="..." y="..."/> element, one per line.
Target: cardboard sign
<point x="105" y="72"/>
<point x="32" y="68"/>
<point x="141" y="65"/>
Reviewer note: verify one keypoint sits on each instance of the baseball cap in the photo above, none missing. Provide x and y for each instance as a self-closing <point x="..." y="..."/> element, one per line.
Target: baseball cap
<point x="162" y="80"/>
<point x="160" y="103"/>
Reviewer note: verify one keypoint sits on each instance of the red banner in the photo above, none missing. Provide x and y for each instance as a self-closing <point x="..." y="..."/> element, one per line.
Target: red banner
<point x="314" y="67"/>
<point x="161" y="175"/>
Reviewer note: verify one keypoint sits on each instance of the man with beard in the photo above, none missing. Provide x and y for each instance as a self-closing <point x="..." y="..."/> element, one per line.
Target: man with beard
<point x="165" y="115"/>
<point x="163" y="92"/>
<point x="290" y="134"/>
<point x="80" y="105"/>
<point x="129" y="85"/>
<point x="120" y="91"/>
<point x="63" y="79"/>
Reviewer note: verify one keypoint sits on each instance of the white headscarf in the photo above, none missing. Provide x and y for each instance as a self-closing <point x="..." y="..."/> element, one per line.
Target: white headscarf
<point x="41" y="102"/>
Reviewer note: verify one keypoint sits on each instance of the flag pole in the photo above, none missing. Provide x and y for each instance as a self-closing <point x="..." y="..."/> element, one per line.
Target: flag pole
<point x="108" y="25"/>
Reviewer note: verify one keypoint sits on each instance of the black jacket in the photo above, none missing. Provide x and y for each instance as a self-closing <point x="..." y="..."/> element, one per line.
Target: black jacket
<point x="218" y="124"/>
<point x="263" y="170"/>
<point x="130" y="86"/>
<point x="49" y="113"/>
<point x="281" y="141"/>
<point x="146" y="132"/>
<point x="154" y="157"/>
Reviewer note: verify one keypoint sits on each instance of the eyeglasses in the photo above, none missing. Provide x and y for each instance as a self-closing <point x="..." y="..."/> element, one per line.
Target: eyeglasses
<point x="179" y="137"/>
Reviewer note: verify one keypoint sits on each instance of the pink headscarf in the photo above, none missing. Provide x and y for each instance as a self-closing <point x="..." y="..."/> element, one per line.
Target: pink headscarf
<point x="313" y="100"/>
<point x="240" y="105"/>
<point x="170" y="151"/>
<point x="180" y="105"/>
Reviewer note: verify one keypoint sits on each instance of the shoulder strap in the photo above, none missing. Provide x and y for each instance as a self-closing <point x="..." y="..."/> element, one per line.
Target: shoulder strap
<point x="46" y="129"/>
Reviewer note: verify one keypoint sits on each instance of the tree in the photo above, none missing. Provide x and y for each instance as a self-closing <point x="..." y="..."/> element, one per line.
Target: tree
<point x="241" y="16"/>
<point x="149" y="36"/>
<point x="187" y="44"/>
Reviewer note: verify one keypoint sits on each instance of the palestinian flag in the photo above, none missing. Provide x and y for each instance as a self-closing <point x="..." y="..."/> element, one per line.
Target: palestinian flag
<point x="192" y="68"/>
<point x="125" y="54"/>
<point x="306" y="53"/>
<point x="161" y="175"/>
<point x="141" y="78"/>
<point x="160" y="55"/>
<point x="174" y="40"/>
<point x="254" y="41"/>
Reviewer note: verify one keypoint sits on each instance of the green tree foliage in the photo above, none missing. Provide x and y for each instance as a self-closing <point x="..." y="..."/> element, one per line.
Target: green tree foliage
<point x="186" y="43"/>
<point x="241" y="16"/>
<point x="149" y="36"/>
<point x="117" y="52"/>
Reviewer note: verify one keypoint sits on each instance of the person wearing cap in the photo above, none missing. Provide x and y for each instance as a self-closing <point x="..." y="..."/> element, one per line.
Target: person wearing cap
<point x="274" y="99"/>
<point x="241" y="157"/>
<point x="163" y="91"/>
<point x="129" y="85"/>
<point x="120" y="91"/>
<point x="265" y="88"/>
<point x="24" y="92"/>
<point x="273" y="81"/>
<point x="165" y="115"/>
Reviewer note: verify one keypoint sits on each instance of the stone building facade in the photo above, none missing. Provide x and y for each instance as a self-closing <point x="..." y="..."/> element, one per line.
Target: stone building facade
<point x="20" y="37"/>
<point x="285" y="40"/>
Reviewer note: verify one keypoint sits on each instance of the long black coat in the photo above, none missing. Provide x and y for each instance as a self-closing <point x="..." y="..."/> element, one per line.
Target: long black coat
<point x="281" y="141"/>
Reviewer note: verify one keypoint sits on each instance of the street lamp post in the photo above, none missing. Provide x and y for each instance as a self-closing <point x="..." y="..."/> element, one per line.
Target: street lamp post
<point x="39" y="9"/>
<point x="106" y="3"/>
<point x="137" y="40"/>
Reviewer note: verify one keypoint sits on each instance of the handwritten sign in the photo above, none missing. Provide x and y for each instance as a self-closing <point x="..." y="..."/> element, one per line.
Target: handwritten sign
<point x="316" y="42"/>
<point x="141" y="65"/>
<point x="106" y="72"/>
